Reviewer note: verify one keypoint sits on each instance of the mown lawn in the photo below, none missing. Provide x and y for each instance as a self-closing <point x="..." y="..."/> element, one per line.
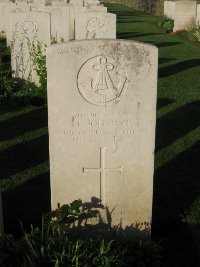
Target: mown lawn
<point x="24" y="161"/>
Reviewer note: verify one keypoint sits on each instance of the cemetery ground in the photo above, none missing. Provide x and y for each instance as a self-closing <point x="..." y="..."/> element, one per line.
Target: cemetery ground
<point x="24" y="152"/>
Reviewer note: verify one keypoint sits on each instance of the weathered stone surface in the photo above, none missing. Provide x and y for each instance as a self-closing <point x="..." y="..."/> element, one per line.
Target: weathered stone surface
<point x="92" y="9"/>
<point x="169" y="9"/>
<point x="94" y="25"/>
<point x="59" y="3"/>
<point x="32" y="26"/>
<point x="74" y="6"/>
<point x="7" y="10"/>
<point x="23" y="2"/>
<point x="60" y="19"/>
<point x="2" y="24"/>
<point x="185" y="15"/>
<point x="102" y="113"/>
<point x="76" y="3"/>
<point x="91" y="2"/>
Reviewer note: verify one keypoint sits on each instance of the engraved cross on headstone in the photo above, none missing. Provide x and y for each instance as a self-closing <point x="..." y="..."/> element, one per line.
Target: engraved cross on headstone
<point x="102" y="170"/>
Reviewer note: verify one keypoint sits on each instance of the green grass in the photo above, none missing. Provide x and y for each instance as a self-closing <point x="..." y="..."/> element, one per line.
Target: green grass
<point x="24" y="171"/>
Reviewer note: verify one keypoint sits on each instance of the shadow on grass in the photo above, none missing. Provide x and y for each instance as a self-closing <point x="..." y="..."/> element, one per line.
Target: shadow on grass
<point x="162" y="102"/>
<point x="126" y="35"/>
<point x="178" y="67"/>
<point x="163" y="60"/>
<point x="166" y="44"/>
<point x="125" y="20"/>
<point x="176" y="187"/>
<point x="21" y="124"/>
<point x="176" y="124"/>
<point x="23" y="156"/>
<point x="26" y="203"/>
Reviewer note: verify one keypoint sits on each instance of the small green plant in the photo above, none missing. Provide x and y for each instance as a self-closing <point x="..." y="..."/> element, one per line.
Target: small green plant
<point x="55" y="245"/>
<point x="38" y="57"/>
<point x="53" y="40"/>
<point x="197" y="34"/>
<point x="166" y="23"/>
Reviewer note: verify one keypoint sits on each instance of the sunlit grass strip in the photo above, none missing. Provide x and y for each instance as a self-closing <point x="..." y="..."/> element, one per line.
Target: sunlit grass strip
<point x="23" y="138"/>
<point x="14" y="113"/>
<point x="169" y="108"/>
<point x="23" y="176"/>
<point x="172" y="151"/>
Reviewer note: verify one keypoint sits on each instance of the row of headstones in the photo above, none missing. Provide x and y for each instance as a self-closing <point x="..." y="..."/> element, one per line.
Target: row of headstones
<point x="59" y="22"/>
<point x="186" y="14"/>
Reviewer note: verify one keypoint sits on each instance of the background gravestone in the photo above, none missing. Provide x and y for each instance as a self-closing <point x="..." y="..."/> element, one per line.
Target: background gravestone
<point x="59" y="22"/>
<point x="185" y="15"/>
<point x="94" y="25"/>
<point x="102" y="115"/>
<point x="32" y="26"/>
<point x="7" y="16"/>
<point x="169" y="9"/>
<point x="2" y="25"/>
<point x="7" y="11"/>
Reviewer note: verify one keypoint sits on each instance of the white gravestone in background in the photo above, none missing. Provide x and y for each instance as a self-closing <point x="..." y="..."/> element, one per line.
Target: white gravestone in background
<point x="94" y="25"/>
<point x="101" y="117"/>
<point x="169" y="9"/>
<point x="91" y="3"/>
<point x="8" y="10"/>
<point x="59" y="3"/>
<point x="32" y="26"/>
<point x="2" y="24"/>
<point x="76" y="10"/>
<point x="185" y="15"/>
<point x="92" y="9"/>
<point x="59" y="22"/>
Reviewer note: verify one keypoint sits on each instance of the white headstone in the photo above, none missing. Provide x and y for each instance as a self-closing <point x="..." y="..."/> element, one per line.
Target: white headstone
<point x="2" y="24"/>
<point x="59" y="3"/>
<point x="74" y="6"/>
<point x="76" y="3"/>
<point x="75" y="11"/>
<point x="32" y="26"/>
<point x="169" y="9"/>
<point x="102" y="115"/>
<point x="95" y="25"/>
<point x="1" y="217"/>
<point x="92" y="9"/>
<point x="91" y="2"/>
<point x="185" y="15"/>
<point x="23" y="2"/>
<point x="8" y="10"/>
<point x="36" y="5"/>
<point x="60" y="19"/>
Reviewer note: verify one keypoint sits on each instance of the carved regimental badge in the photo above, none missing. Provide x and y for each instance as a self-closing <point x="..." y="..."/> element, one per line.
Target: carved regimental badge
<point x="101" y="80"/>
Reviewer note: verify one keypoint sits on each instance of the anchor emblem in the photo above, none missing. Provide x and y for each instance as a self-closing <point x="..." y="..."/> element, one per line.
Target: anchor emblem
<point x="103" y="84"/>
